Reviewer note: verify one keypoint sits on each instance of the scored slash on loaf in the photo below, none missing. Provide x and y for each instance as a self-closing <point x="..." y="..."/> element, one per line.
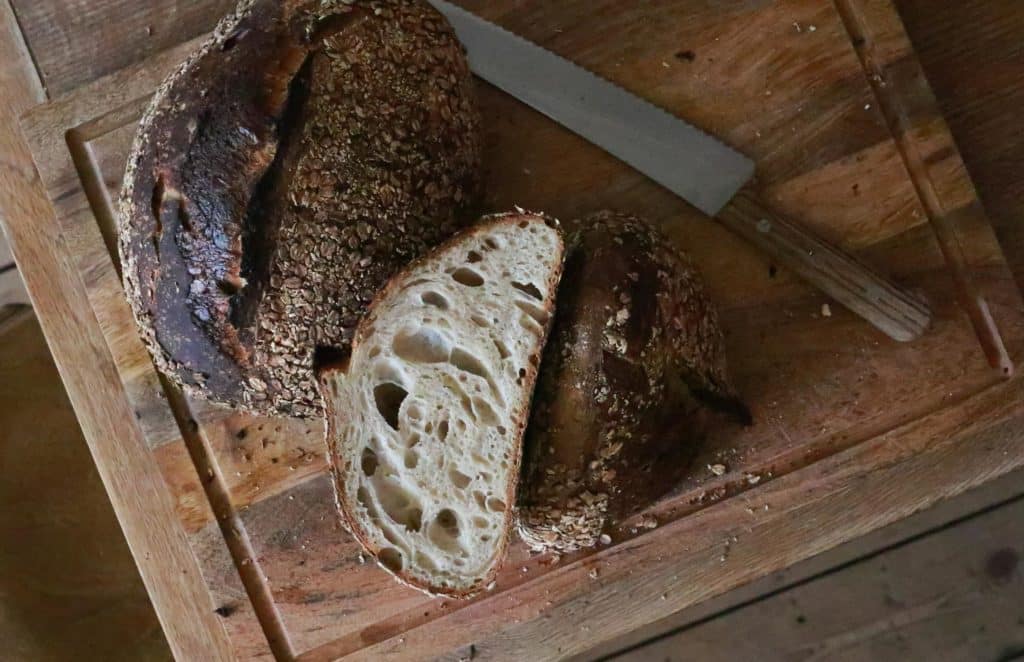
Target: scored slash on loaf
<point x="304" y="154"/>
<point x="426" y="418"/>
<point x="633" y="377"/>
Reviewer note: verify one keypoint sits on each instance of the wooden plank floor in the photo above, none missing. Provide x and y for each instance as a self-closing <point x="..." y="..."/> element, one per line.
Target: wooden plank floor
<point x="953" y="593"/>
<point x="6" y="259"/>
<point x="12" y="290"/>
<point x="69" y="589"/>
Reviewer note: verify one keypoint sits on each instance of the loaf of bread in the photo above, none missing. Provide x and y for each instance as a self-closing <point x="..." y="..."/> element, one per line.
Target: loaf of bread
<point x="425" y="419"/>
<point x="304" y="154"/>
<point x="634" y="373"/>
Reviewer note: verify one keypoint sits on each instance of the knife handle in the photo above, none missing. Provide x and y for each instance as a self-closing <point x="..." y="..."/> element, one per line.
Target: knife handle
<point x="897" y="313"/>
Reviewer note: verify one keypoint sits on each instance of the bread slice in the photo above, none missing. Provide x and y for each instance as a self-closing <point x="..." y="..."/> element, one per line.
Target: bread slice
<point x="425" y="419"/>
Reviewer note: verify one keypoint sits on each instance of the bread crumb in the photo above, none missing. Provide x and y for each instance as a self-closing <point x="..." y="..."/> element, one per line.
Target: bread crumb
<point x="717" y="469"/>
<point x="593" y="573"/>
<point x="605" y="539"/>
<point x="753" y="479"/>
<point x="826" y="310"/>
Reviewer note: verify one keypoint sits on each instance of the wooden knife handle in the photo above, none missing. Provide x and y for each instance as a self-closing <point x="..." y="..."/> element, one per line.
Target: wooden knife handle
<point x="899" y="314"/>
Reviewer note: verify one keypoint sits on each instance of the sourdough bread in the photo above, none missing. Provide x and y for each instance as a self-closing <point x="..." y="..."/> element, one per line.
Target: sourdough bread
<point x="305" y="153"/>
<point x="632" y="379"/>
<point x="426" y="417"/>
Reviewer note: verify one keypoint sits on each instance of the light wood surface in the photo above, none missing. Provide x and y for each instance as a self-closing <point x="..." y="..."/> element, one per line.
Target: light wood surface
<point x="844" y="415"/>
<point x="956" y="595"/>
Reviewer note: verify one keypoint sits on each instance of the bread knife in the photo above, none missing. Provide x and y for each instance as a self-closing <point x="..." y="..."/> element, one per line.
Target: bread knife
<point x="697" y="167"/>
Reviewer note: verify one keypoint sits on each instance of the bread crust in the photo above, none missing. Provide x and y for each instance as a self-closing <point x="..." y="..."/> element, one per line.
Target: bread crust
<point x="298" y="158"/>
<point x="635" y="359"/>
<point x="337" y="462"/>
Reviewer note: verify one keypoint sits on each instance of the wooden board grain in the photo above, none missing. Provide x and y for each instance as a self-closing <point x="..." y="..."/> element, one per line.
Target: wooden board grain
<point x="934" y="598"/>
<point x="973" y="52"/>
<point x="18" y="79"/>
<point x="948" y="513"/>
<point x="835" y="400"/>
<point x="63" y="34"/>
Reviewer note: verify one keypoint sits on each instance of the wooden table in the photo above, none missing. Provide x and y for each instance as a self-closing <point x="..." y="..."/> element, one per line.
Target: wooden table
<point x="852" y="489"/>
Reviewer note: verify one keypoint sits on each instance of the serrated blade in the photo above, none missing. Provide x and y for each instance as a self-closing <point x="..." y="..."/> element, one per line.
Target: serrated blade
<point x="677" y="155"/>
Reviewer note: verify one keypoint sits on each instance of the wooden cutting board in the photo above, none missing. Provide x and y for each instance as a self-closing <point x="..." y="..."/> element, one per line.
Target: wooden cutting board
<point x="852" y="430"/>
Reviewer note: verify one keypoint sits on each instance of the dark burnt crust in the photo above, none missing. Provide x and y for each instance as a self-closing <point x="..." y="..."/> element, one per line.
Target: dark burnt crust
<point x="281" y="175"/>
<point x="635" y="353"/>
<point x="339" y="462"/>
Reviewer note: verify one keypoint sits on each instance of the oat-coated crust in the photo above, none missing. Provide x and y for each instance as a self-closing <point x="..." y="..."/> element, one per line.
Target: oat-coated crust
<point x="635" y="353"/>
<point x="300" y="157"/>
<point x="336" y="455"/>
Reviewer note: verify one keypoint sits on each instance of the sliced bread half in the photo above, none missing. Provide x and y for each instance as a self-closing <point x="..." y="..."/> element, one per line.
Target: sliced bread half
<point x="426" y="417"/>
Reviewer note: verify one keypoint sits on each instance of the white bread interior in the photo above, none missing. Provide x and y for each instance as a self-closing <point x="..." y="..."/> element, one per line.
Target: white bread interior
<point x="425" y="422"/>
